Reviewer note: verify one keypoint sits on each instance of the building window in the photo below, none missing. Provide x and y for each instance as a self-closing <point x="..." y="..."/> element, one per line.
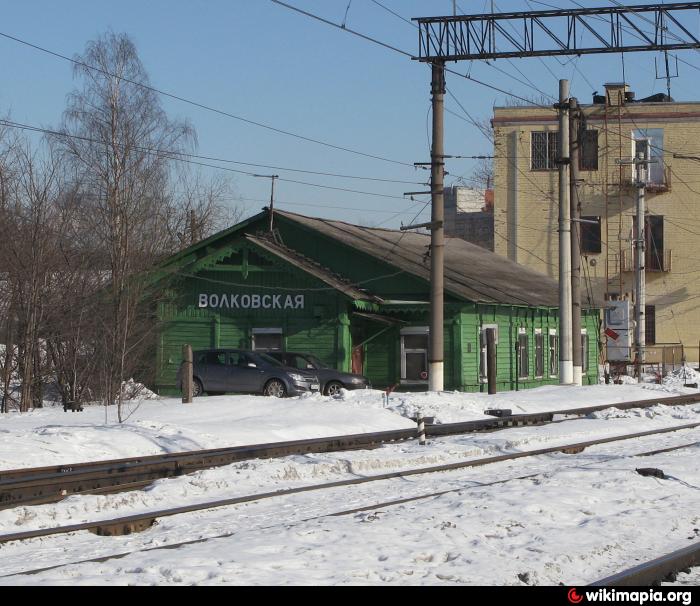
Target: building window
<point x="654" y="236"/>
<point x="414" y="354"/>
<point x="651" y="141"/>
<point x="539" y="354"/>
<point x="584" y="351"/>
<point x="590" y="236"/>
<point x="650" y="324"/>
<point x="655" y="257"/>
<point x="588" y="158"/>
<point x="544" y="150"/>
<point x="483" y="358"/>
<point x="523" y="355"/>
<point x="553" y="353"/>
<point x="267" y="339"/>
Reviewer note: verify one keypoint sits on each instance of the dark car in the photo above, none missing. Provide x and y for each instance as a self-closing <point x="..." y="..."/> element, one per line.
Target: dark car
<point x="235" y="370"/>
<point x="332" y="380"/>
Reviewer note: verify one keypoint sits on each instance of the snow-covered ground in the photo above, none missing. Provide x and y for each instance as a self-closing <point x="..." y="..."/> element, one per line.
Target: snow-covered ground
<point x="49" y="436"/>
<point x="575" y="519"/>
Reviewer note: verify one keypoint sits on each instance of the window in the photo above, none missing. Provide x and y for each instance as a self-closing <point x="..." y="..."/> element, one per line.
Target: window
<point x="655" y="258"/>
<point x="588" y="158"/>
<point x="544" y="150"/>
<point x="483" y="358"/>
<point x="584" y="351"/>
<point x="414" y="354"/>
<point x="651" y="141"/>
<point x="539" y="353"/>
<point x="267" y="339"/>
<point x="650" y="324"/>
<point x="654" y="236"/>
<point x="217" y="358"/>
<point x="553" y="353"/>
<point x="523" y="355"/>
<point x="590" y="236"/>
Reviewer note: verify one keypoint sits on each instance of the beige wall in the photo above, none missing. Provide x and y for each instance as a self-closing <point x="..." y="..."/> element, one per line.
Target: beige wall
<point x="526" y="206"/>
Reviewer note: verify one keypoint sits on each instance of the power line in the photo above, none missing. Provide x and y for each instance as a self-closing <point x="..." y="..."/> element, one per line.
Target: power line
<point x="329" y="206"/>
<point x="216" y="159"/>
<point x="203" y="106"/>
<point x="173" y="155"/>
<point x="398" y="50"/>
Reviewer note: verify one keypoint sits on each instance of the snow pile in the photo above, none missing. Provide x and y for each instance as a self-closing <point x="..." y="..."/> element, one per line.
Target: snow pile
<point x="681" y="376"/>
<point x="131" y="390"/>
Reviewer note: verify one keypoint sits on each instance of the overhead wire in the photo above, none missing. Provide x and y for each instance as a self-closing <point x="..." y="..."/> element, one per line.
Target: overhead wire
<point x="182" y="157"/>
<point x="204" y="106"/>
<point x="398" y="50"/>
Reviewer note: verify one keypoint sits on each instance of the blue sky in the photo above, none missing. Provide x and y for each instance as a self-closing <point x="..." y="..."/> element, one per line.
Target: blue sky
<point x="258" y="60"/>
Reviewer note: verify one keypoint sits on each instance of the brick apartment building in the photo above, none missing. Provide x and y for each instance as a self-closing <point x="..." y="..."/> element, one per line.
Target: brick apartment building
<point x="616" y="125"/>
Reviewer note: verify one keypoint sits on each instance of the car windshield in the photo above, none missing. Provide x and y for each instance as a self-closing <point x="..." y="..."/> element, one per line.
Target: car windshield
<point x="316" y="362"/>
<point x="269" y="359"/>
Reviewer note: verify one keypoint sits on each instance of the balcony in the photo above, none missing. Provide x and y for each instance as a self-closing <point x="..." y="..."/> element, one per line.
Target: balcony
<point x="627" y="180"/>
<point x="654" y="261"/>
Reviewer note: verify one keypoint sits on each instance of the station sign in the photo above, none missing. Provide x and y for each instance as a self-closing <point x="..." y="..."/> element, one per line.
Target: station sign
<point x="250" y="301"/>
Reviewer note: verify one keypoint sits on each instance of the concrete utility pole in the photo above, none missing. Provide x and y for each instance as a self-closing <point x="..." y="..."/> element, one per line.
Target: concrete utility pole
<point x="641" y="164"/>
<point x="437" y="234"/>
<point x="575" y="153"/>
<point x="566" y="367"/>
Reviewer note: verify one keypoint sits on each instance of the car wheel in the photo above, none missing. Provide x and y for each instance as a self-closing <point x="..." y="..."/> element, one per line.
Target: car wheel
<point x="197" y="389"/>
<point x="333" y="388"/>
<point x="275" y="388"/>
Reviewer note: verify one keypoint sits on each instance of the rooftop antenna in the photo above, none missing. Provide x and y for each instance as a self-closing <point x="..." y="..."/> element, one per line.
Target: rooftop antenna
<point x="667" y="75"/>
<point x="272" y="196"/>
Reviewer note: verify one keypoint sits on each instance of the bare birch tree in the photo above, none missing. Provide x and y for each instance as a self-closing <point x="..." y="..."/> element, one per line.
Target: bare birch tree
<point x="121" y="123"/>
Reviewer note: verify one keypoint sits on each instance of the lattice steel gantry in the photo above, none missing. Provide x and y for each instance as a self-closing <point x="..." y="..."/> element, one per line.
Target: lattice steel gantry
<point x="611" y="29"/>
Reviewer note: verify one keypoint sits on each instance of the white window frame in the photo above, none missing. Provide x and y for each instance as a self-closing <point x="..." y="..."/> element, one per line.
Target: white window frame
<point x="538" y="331"/>
<point x="553" y="333"/>
<point x="483" y="358"/>
<point x="414" y="330"/>
<point x="523" y="331"/>
<point x="655" y="171"/>
<point x="266" y="331"/>
<point x="584" y="350"/>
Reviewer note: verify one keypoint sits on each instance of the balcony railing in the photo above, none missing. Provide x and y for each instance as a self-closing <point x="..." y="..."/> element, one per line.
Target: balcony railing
<point x="654" y="261"/>
<point x="627" y="180"/>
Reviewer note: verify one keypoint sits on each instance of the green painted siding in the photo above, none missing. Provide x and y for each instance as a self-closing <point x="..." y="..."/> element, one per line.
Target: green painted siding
<point x="327" y="326"/>
<point x="308" y="329"/>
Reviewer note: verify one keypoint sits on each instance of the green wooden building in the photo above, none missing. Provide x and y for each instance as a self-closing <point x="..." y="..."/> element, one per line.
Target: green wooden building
<point x="357" y="297"/>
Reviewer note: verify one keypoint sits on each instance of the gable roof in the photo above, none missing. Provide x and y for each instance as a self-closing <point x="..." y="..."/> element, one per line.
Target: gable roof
<point x="311" y="267"/>
<point x="471" y="272"/>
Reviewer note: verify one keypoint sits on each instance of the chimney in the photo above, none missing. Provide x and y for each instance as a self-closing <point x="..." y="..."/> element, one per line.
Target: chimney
<point x="617" y="93"/>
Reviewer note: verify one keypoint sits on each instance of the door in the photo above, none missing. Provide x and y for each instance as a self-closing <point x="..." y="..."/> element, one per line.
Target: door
<point x="214" y="371"/>
<point x="358" y="360"/>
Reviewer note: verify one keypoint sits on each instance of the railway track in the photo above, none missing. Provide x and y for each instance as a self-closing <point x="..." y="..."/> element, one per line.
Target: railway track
<point x="138" y="522"/>
<point x="655" y="571"/>
<point x="49" y="484"/>
<point x="145" y="520"/>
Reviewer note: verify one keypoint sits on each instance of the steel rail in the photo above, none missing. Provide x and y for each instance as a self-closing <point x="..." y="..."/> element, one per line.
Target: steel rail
<point x="373" y="506"/>
<point x="33" y="486"/>
<point x="136" y="522"/>
<point x="657" y="570"/>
